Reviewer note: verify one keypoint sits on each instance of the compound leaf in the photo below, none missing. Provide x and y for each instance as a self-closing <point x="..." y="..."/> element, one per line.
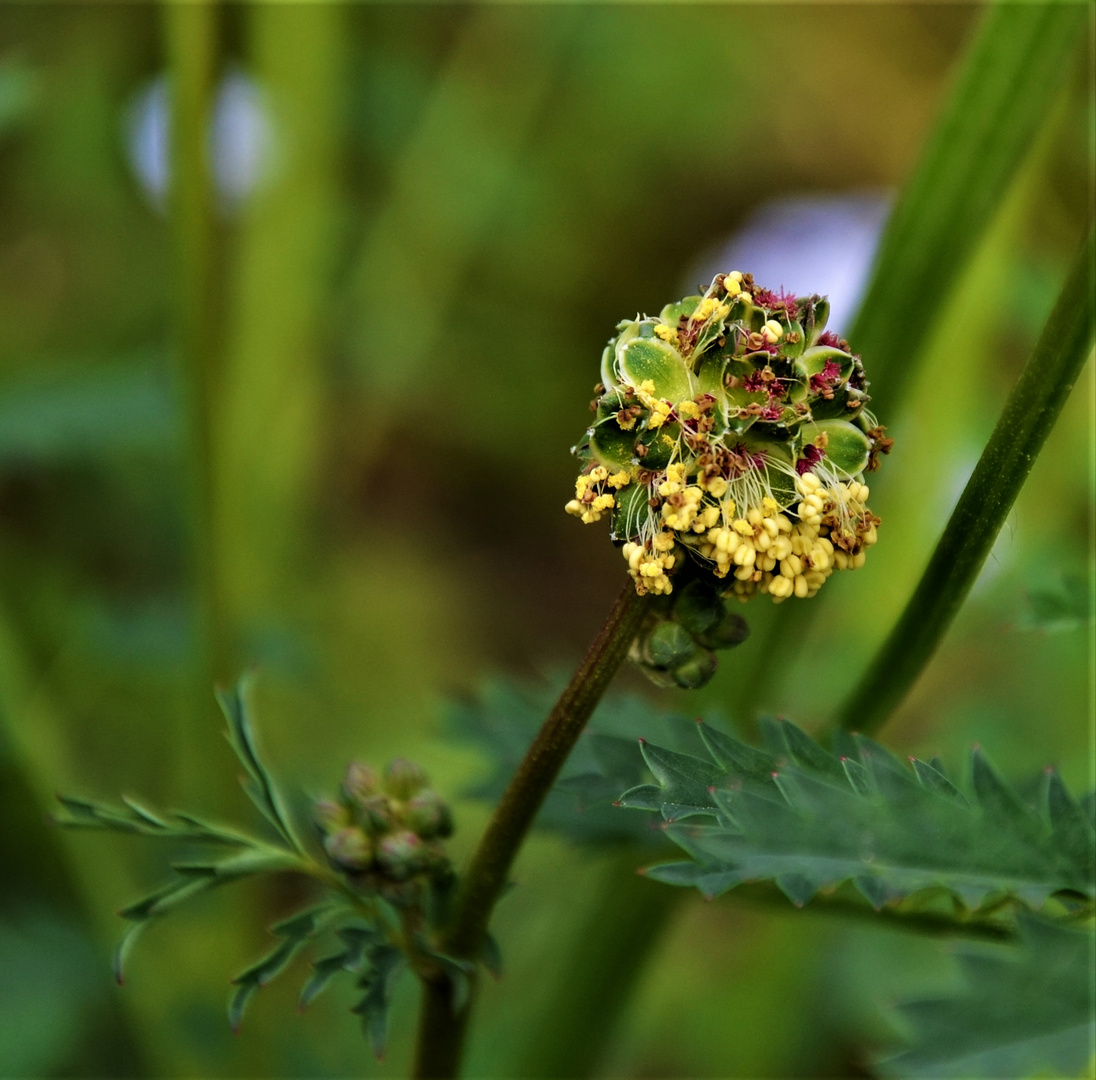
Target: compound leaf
<point x="822" y="820"/>
<point x="1028" y="1009"/>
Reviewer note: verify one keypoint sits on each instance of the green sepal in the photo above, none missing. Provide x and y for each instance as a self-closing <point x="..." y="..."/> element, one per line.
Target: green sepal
<point x="672" y="314"/>
<point x="814" y="361"/>
<point x="631" y="511"/>
<point x="661" y="444"/>
<point x="835" y="408"/>
<point x="611" y="447"/>
<point x="698" y="606"/>
<point x="731" y="630"/>
<point x="847" y="447"/>
<point x="696" y="671"/>
<point x="642" y="359"/>
<point x="792" y="350"/>
<point x="709" y="379"/>
<point x="668" y="644"/>
<point x="815" y="317"/>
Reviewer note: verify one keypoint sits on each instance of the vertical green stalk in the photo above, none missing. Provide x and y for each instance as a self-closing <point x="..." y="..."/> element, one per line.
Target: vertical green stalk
<point x="1027" y="419"/>
<point x="618" y="936"/>
<point x="442" y="1025"/>
<point x="1004" y="89"/>
<point x="47" y="883"/>
<point x="192" y="47"/>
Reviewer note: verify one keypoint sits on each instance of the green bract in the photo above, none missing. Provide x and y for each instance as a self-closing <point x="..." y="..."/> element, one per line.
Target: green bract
<point x="730" y="440"/>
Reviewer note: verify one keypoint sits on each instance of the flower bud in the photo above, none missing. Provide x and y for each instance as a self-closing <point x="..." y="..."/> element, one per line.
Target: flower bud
<point x="349" y="849"/>
<point x="361" y="781"/>
<point x="668" y="645"/>
<point x="729" y="631"/>
<point x="331" y="816"/>
<point x="428" y="816"/>
<point x="400" y="855"/>
<point x="376" y="815"/>
<point x="403" y="778"/>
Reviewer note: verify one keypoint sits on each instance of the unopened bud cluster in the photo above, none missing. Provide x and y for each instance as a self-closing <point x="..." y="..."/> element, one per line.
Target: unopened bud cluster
<point x="677" y="643"/>
<point x="732" y="435"/>
<point x="384" y="831"/>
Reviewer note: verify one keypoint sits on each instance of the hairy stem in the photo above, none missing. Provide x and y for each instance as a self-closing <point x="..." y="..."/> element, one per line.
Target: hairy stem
<point x="442" y="1027"/>
<point x="1027" y="419"/>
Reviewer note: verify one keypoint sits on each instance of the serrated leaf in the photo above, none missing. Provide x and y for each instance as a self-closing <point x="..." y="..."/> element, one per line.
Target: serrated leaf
<point x="257" y="783"/>
<point x="894" y="832"/>
<point x="934" y="779"/>
<point x="503" y="719"/>
<point x="239" y="866"/>
<point x="385" y="967"/>
<point x="295" y="933"/>
<point x="684" y="781"/>
<point x="735" y="756"/>
<point x="163" y="899"/>
<point x="134" y="817"/>
<point x="858" y="777"/>
<point x="238" y="1002"/>
<point x="323" y="971"/>
<point x="1027" y="1010"/>
<point x="1072" y="829"/>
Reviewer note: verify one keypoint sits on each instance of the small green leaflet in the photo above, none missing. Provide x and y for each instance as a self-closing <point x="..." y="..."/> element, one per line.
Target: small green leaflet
<point x="1029" y="1009"/>
<point x="384" y="966"/>
<point x="133" y="817"/>
<point x="295" y="933"/>
<point x="257" y="782"/>
<point x="808" y="819"/>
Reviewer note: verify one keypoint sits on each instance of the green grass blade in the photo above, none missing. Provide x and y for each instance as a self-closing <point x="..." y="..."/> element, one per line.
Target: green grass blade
<point x="1002" y="94"/>
<point x="1028" y="416"/>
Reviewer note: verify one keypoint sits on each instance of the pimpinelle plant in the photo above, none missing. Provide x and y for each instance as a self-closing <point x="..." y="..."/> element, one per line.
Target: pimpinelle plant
<point x="732" y="443"/>
<point x="729" y="449"/>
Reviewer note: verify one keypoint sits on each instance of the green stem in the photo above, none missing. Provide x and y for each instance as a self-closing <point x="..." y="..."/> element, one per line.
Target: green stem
<point x="1027" y="419"/>
<point x="442" y="1027"/>
<point x="620" y="931"/>
<point x="191" y="39"/>
<point x="1010" y="76"/>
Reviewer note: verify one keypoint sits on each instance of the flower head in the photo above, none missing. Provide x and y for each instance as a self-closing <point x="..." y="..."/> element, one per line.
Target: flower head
<point x="730" y="443"/>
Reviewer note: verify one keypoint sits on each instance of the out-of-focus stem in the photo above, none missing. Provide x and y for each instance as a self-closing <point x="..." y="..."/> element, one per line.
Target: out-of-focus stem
<point x="190" y="32"/>
<point x="619" y="933"/>
<point x="1027" y="419"/>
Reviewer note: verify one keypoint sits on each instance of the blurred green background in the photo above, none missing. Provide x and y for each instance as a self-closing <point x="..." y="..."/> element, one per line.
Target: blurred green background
<point x="313" y="414"/>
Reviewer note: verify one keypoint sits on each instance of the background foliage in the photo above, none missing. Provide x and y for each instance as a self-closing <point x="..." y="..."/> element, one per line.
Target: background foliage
<point x="403" y="314"/>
